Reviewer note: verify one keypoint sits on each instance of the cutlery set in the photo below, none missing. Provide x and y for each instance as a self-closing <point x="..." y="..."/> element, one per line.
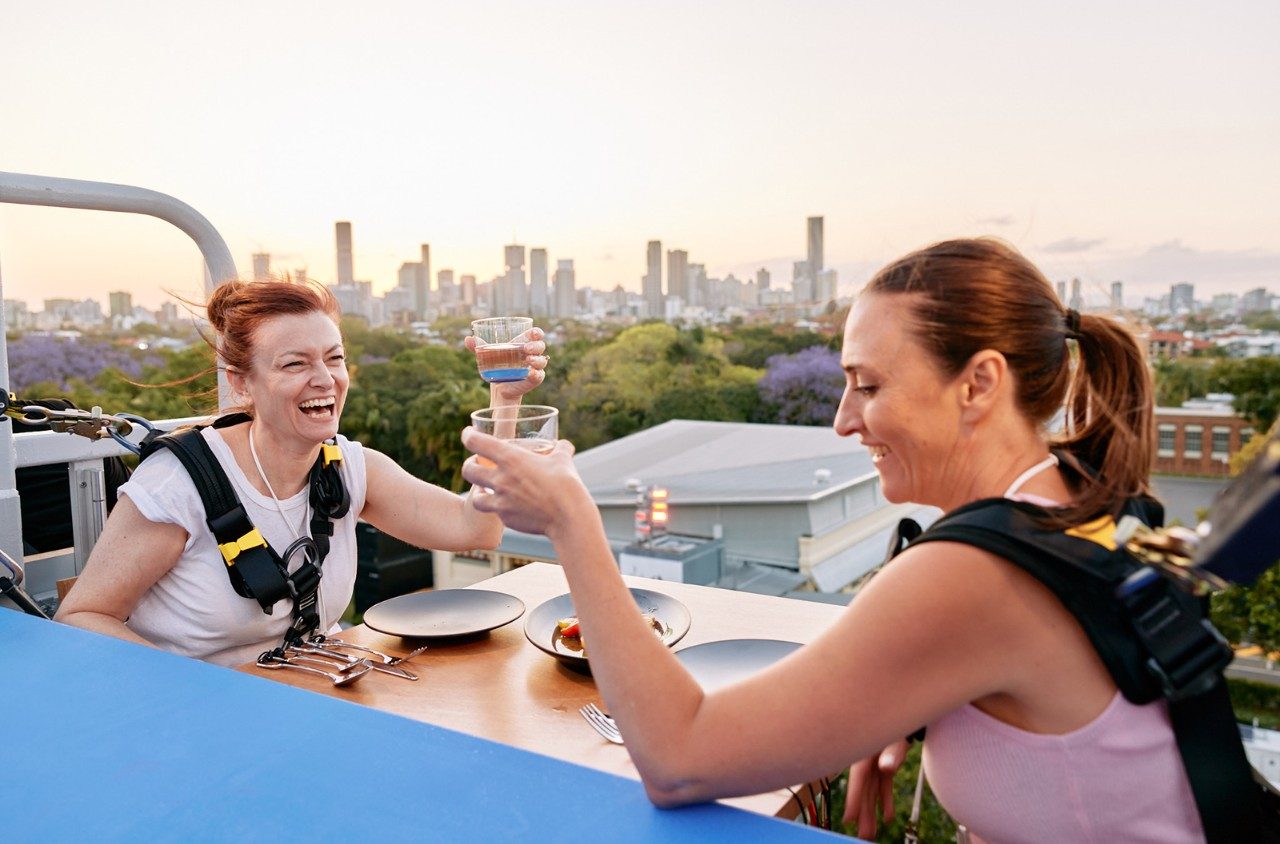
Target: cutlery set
<point x="329" y="658"/>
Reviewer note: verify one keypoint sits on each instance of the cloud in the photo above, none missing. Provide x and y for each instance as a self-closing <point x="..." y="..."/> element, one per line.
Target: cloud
<point x="1001" y="220"/>
<point x="1072" y="244"/>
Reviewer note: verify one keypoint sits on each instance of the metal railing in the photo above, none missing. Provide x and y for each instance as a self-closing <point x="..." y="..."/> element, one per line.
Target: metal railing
<point x="84" y="458"/>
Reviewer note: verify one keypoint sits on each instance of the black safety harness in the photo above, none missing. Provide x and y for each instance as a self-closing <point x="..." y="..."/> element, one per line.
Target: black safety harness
<point x="1151" y="633"/>
<point x="255" y="569"/>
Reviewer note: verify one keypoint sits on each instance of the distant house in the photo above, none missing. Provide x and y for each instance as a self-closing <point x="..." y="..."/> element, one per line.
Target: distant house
<point x="1173" y="344"/>
<point x="797" y="509"/>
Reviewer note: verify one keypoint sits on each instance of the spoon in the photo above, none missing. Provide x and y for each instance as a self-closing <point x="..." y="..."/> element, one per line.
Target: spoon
<point x="341" y="679"/>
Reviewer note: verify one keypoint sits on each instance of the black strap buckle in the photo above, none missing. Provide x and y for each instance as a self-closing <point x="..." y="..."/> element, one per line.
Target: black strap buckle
<point x="1187" y="653"/>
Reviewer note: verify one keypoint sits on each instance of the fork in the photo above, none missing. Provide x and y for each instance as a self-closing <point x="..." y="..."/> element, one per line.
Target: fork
<point x="387" y="659"/>
<point x="601" y="723"/>
<point x="348" y="659"/>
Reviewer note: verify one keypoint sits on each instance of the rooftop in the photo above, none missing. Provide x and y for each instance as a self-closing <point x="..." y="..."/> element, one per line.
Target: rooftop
<point x="719" y="462"/>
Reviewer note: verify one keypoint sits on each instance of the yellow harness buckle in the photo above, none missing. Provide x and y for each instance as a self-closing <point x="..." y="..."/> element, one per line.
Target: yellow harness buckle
<point x="231" y="550"/>
<point x="330" y="454"/>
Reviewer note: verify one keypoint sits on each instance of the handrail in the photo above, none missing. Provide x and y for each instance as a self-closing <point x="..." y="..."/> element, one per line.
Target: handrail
<point x="26" y="189"/>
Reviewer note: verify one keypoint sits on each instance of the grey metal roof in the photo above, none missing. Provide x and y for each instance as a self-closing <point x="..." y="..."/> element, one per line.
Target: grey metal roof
<point x="723" y="462"/>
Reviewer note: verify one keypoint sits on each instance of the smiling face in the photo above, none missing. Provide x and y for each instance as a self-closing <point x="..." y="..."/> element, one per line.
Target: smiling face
<point x="897" y="402"/>
<point x="298" y="382"/>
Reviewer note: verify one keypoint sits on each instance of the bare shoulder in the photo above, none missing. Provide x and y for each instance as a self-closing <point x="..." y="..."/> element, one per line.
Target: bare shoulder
<point x="966" y="583"/>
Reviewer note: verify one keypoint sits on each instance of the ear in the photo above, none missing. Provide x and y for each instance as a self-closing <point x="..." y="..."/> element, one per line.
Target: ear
<point x="236" y="381"/>
<point x="983" y="383"/>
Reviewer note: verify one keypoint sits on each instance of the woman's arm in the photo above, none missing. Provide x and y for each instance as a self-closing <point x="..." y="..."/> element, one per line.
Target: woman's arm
<point x="130" y="556"/>
<point x="922" y="639"/>
<point x="423" y="514"/>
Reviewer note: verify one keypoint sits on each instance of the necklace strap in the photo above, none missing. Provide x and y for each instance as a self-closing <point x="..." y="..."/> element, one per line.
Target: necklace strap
<point x="1050" y="461"/>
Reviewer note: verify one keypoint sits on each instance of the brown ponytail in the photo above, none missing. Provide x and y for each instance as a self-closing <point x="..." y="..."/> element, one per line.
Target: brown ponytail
<point x="1110" y="420"/>
<point x="983" y="294"/>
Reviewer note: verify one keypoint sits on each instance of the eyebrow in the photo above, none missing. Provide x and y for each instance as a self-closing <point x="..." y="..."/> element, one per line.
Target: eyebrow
<point x="334" y="347"/>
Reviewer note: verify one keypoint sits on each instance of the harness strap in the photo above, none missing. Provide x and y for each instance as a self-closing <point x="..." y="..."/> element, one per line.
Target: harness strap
<point x="1151" y="635"/>
<point x="254" y="569"/>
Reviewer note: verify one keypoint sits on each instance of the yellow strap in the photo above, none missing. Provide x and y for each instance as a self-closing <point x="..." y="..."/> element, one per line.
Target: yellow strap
<point x="331" y="454"/>
<point x="231" y="550"/>
<point x="1101" y="530"/>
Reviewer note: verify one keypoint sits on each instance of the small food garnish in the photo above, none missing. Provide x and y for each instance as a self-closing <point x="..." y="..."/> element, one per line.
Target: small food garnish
<point x="569" y="627"/>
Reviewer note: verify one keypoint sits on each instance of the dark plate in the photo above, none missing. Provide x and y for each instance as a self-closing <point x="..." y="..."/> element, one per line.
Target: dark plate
<point x="540" y="627"/>
<point x="717" y="664"/>
<point x="444" y="612"/>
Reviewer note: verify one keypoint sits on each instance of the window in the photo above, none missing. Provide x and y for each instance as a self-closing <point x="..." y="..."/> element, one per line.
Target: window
<point x="1221" y="441"/>
<point x="1168" y="435"/>
<point x="1193" y="441"/>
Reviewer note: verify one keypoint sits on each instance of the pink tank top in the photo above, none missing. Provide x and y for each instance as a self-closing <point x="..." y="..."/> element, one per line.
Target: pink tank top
<point x="1117" y="778"/>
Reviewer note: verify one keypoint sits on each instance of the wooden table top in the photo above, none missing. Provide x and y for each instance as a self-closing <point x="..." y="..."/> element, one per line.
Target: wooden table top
<point x="500" y="687"/>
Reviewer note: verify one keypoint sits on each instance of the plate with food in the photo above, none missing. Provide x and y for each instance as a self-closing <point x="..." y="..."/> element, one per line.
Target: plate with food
<point x="443" y="612"/>
<point x="553" y="627"/>
<point x="718" y="664"/>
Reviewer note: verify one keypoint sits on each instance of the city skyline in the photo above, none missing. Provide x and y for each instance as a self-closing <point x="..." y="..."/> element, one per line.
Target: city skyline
<point x="1143" y="152"/>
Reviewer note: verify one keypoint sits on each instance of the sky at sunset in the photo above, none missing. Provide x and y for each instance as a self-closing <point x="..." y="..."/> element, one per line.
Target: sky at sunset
<point x="1111" y="141"/>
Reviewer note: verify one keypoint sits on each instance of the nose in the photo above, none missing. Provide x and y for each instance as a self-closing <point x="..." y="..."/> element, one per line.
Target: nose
<point x="848" y="415"/>
<point x="321" y="376"/>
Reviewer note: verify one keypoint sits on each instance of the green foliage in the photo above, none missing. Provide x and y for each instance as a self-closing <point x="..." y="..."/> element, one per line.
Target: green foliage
<point x="646" y="375"/>
<point x="362" y="342"/>
<point x="1255" y="382"/>
<point x="1250" y="613"/>
<point x="414" y="407"/>
<point x="1179" y="380"/>
<point x="753" y="346"/>
<point x="1252" y="700"/>
<point x="935" y="823"/>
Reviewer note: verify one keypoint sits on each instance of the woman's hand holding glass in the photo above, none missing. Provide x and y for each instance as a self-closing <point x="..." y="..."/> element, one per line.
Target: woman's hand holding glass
<point x="531" y="492"/>
<point x="534" y="356"/>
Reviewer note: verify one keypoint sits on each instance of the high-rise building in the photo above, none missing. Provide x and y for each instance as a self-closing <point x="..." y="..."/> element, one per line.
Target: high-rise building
<point x="422" y="288"/>
<point x="1062" y="292"/>
<point x="563" y="300"/>
<point x="407" y="277"/>
<point x="448" y="293"/>
<point x="538" y="304"/>
<point x="1182" y="297"/>
<point x="1077" y="297"/>
<point x="824" y="286"/>
<point x="168" y="313"/>
<point x="677" y="274"/>
<point x="814" y="232"/>
<point x="346" y="262"/>
<point x="468" y="285"/>
<point x="1117" y="295"/>
<point x="121" y="303"/>
<point x="1257" y="299"/>
<point x="696" y="283"/>
<point x="652" y="281"/>
<point x="261" y="266"/>
<point x="512" y="296"/>
<point x="801" y="282"/>
<point x="762" y="280"/>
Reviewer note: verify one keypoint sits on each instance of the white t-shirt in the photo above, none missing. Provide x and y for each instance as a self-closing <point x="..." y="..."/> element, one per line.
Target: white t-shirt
<point x="193" y="610"/>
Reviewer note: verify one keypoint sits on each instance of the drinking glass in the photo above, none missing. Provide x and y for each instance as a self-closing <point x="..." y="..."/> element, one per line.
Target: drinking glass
<point x="500" y="348"/>
<point x="531" y="426"/>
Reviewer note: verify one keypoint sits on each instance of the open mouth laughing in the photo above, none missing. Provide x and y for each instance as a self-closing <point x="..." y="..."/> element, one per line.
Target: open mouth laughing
<point x="319" y="408"/>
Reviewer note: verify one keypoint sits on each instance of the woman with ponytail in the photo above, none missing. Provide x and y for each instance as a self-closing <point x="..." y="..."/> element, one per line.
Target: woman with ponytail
<point x="966" y="380"/>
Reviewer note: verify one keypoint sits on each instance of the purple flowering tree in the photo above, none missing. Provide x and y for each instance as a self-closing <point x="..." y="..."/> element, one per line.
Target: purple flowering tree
<point x="803" y="388"/>
<point x="49" y="362"/>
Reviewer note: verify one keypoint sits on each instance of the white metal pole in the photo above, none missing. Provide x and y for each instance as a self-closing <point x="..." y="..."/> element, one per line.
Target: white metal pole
<point x="24" y="189"/>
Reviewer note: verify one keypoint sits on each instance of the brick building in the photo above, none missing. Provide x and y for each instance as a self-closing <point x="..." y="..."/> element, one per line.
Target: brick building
<point x="1199" y="438"/>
